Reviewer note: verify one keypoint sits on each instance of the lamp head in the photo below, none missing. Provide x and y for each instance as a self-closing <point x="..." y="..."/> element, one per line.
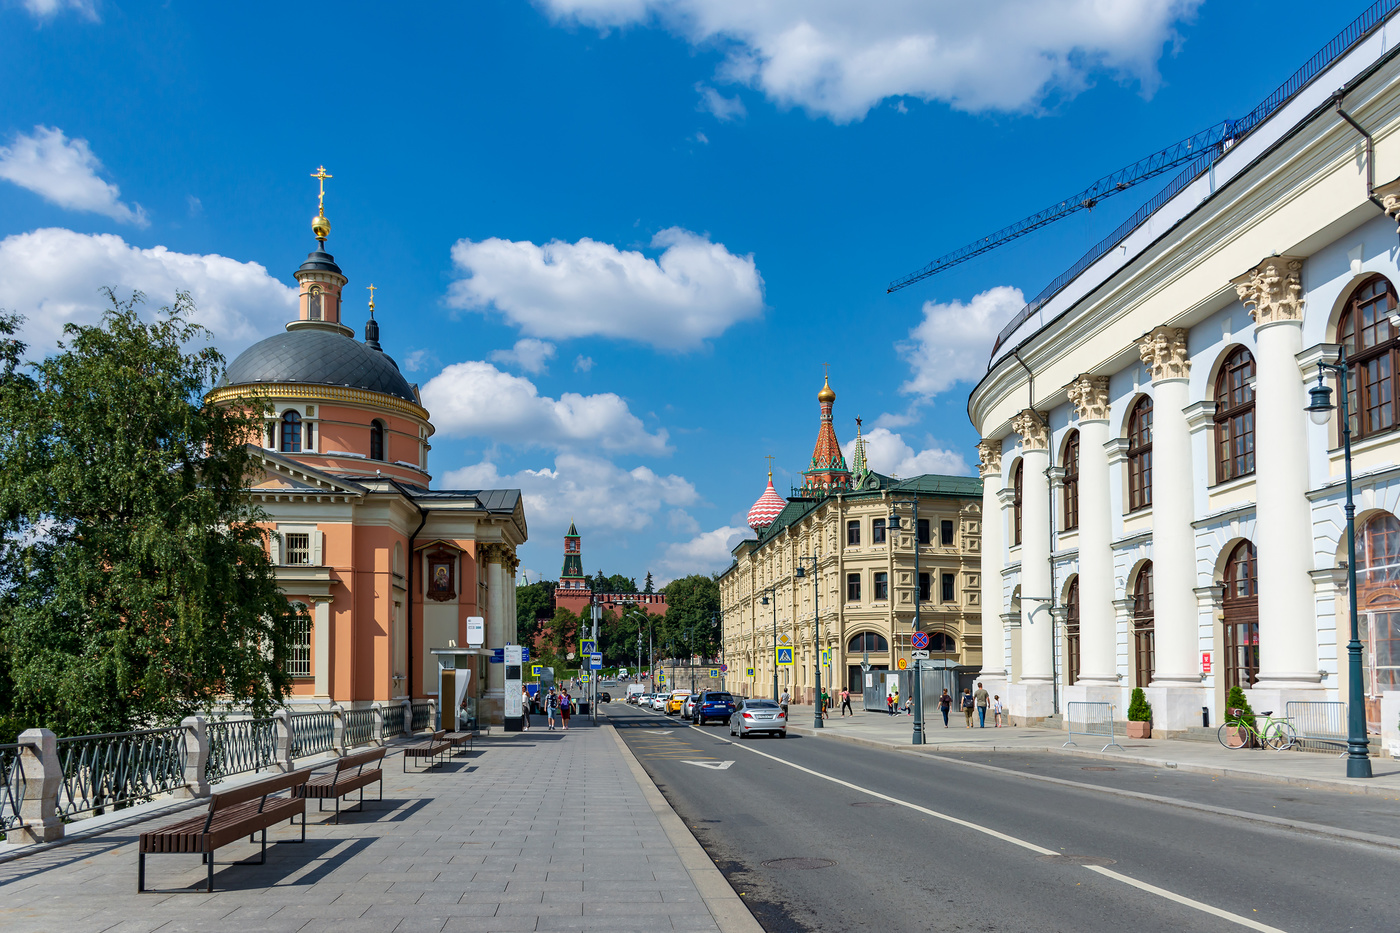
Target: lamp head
<point x="1320" y="404"/>
<point x="801" y="571"/>
<point x="765" y="600"/>
<point x="894" y="521"/>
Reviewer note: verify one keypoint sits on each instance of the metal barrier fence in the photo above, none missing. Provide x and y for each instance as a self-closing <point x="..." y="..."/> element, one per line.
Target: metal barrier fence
<point x="1321" y="725"/>
<point x="119" y="769"/>
<point x="422" y="717"/>
<point x="12" y="787"/>
<point x="393" y="720"/>
<point x="359" y="727"/>
<point x="312" y="733"/>
<point x="1091" y="719"/>
<point x="237" y="746"/>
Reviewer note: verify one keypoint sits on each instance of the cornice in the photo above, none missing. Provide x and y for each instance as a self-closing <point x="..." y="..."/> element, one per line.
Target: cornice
<point x="319" y="393"/>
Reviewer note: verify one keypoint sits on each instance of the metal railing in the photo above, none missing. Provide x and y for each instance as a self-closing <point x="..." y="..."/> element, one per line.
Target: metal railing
<point x="393" y="720"/>
<point x="119" y="769"/>
<point x="1321" y="725"/>
<point x="1091" y="719"/>
<point x="359" y="727"/>
<point x="312" y="733"/>
<point x="237" y="746"/>
<point x="12" y="786"/>
<point x="422" y="717"/>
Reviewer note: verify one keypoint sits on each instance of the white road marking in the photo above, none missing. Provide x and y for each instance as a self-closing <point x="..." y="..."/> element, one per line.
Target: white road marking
<point x="712" y="765"/>
<point x="1024" y="844"/>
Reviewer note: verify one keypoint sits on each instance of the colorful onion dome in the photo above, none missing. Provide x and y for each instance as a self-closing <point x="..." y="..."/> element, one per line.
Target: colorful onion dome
<point x="826" y="395"/>
<point x="766" y="509"/>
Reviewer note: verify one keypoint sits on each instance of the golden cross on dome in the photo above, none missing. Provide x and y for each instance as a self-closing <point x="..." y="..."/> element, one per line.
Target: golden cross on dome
<point x="769" y="458"/>
<point x="321" y="175"/>
<point x="371" y="287"/>
<point x="826" y="371"/>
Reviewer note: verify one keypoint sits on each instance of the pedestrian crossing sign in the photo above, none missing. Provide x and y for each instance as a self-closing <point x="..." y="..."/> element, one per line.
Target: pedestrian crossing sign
<point x="785" y="656"/>
<point x="587" y="646"/>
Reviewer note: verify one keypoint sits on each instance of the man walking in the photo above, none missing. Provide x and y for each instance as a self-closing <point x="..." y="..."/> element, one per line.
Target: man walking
<point x="967" y="705"/>
<point x="783" y="702"/>
<point x="983" y="698"/>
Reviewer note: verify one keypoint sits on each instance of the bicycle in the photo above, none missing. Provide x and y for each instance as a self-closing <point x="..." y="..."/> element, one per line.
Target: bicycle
<point x="1278" y="733"/>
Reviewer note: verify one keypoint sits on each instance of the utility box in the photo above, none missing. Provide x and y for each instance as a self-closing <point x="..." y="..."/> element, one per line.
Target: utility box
<point x="514" y="709"/>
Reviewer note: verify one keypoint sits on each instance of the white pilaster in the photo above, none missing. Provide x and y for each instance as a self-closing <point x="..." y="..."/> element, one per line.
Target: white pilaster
<point x="321" y="646"/>
<point x="1097" y="641"/>
<point x="1034" y="696"/>
<point x="494" y="696"/>
<point x="993" y="560"/>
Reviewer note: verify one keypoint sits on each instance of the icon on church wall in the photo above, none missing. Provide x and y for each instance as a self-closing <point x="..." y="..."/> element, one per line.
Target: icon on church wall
<point x="441" y="582"/>
<point x="313" y="306"/>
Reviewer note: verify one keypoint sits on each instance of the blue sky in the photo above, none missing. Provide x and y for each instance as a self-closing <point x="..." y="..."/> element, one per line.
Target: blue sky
<point x="614" y="240"/>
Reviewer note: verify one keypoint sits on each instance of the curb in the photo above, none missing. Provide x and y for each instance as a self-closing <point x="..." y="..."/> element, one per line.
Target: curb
<point x="730" y="912"/>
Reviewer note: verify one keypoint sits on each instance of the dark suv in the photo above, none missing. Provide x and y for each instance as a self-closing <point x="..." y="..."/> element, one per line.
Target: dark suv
<point x="713" y="706"/>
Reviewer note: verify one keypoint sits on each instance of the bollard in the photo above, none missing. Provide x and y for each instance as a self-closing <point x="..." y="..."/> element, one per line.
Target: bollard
<point x="43" y="776"/>
<point x="338" y="748"/>
<point x="196" y="757"/>
<point x="282" y="737"/>
<point x="377" y="737"/>
<point x="407" y="716"/>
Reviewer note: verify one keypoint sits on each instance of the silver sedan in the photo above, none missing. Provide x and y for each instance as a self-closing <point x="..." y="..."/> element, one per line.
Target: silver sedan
<point x="758" y="715"/>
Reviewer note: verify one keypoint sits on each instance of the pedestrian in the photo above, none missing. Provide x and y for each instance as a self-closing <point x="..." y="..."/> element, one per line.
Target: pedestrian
<point x="846" y="704"/>
<point x="997" y="710"/>
<point x="551" y="706"/>
<point x="525" y="707"/>
<point x="909" y="706"/>
<point x="945" y="703"/>
<point x="967" y="705"/>
<point x="982" y="699"/>
<point x="565" y="701"/>
<point x="826" y="703"/>
<point x="894" y="702"/>
<point x="783" y="702"/>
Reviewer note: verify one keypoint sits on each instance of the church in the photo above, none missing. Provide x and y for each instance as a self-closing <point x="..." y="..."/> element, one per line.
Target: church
<point x="388" y="568"/>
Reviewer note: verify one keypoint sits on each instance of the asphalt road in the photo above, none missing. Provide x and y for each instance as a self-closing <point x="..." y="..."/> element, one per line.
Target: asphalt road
<point x="913" y="842"/>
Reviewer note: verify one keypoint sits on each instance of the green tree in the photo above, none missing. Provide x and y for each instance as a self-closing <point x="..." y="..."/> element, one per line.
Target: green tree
<point x="135" y="584"/>
<point x="561" y="634"/>
<point x="650" y="586"/>
<point x="692" y="606"/>
<point x="534" y="605"/>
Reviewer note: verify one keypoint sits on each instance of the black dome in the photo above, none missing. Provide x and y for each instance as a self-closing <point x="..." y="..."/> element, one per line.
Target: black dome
<point x="318" y="357"/>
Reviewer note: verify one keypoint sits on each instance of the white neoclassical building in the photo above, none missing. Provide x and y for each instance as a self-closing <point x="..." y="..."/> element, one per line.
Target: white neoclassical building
<point x="1159" y="509"/>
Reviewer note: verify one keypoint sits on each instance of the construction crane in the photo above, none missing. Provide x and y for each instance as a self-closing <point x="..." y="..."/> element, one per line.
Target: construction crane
<point x="1216" y="139"/>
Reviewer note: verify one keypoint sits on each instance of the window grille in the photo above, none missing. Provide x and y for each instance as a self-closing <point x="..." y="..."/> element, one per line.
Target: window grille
<point x="298" y="549"/>
<point x="299" y="652"/>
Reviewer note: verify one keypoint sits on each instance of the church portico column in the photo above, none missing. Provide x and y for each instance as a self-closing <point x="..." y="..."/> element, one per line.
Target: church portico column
<point x="1175" y="691"/>
<point x="993" y="635"/>
<point x="493" y="698"/>
<point x="1288" y="658"/>
<point x="1034" y="697"/>
<point x="1097" y="638"/>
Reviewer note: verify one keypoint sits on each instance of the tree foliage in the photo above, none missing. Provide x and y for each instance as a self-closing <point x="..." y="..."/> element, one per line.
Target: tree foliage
<point x="135" y="584"/>
<point x="534" y="605"/>
<point x="692" y="612"/>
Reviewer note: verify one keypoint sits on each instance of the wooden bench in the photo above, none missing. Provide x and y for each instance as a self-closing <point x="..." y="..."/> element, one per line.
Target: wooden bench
<point x="232" y="815"/>
<point x="350" y="774"/>
<point x="458" y="739"/>
<point x="430" y="748"/>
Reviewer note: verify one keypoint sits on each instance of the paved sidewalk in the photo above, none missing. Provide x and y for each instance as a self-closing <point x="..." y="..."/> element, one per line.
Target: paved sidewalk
<point x="1306" y="769"/>
<point x="534" y="831"/>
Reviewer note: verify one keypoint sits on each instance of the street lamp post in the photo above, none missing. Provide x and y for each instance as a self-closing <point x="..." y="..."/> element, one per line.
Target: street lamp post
<point x="773" y="590"/>
<point x="816" y="630"/>
<point x="918" y="738"/>
<point x="1319" y="409"/>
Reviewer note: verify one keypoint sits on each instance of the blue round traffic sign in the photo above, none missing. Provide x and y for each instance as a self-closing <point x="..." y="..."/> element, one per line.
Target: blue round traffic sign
<point x="920" y="641"/>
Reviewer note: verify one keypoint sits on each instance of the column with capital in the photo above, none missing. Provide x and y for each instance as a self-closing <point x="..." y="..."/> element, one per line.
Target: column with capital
<point x="1175" y="692"/>
<point x="1098" y="663"/>
<point x="993" y="560"/>
<point x="1288" y="656"/>
<point x="492" y="708"/>
<point x="1034" y="697"/>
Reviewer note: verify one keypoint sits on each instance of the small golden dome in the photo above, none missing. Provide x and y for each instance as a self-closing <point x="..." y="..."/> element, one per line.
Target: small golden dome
<point x="320" y="226"/>
<point x="826" y="394"/>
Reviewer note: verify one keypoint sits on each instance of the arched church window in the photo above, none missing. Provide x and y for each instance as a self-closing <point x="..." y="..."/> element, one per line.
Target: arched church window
<point x="291" y="432"/>
<point x="1072" y="631"/>
<point x="376" y="440"/>
<point x="1373" y="348"/>
<point x="868" y="641"/>
<point x="1234" y="416"/>
<point x="1018" y="488"/>
<point x="1378" y="591"/>
<point x="1144" y="627"/>
<point x="942" y="643"/>
<point x="1140" y="455"/>
<point x="1070" y="465"/>
<point x="313" y="304"/>
<point x="1240" y="607"/>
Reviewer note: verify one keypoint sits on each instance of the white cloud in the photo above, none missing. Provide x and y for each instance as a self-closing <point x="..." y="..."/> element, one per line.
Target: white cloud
<point x="420" y="360"/>
<point x="477" y="399"/>
<point x="54" y="277"/>
<point x="682" y="521"/>
<point x="707" y="552"/>
<point x="529" y="354"/>
<point x="48" y="9"/>
<point x="888" y="453"/>
<point x="693" y="291"/>
<point x="194" y="204"/>
<point x="839" y="59"/>
<point x="64" y="171"/>
<point x="702" y="138"/>
<point x="596" y="493"/>
<point x="723" y="108"/>
<point x="953" y="341"/>
<point x="583" y="364"/>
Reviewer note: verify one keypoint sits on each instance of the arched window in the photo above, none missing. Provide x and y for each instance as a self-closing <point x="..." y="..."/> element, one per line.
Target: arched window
<point x="1241" y="610"/>
<point x="313" y="304"/>
<point x="1144" y="627"/>
<point x="1234" y="416"/>
<point x="1378" y="590"/>
<point x="1072" y="630"/>
<point x="868" y="641"/>
<point x="943" y="643"/>
<point x="376" y="440"/>
<point x="1371" y="347"/>
<point x="1140" y="455"/>
<point x="1070" y="464"/>
<point x="291" y="432"/>
<point x="1018" y="486"/>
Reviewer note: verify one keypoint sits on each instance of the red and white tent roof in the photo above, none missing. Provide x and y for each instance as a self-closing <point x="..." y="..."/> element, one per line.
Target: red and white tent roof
<point x="766" y="509"/>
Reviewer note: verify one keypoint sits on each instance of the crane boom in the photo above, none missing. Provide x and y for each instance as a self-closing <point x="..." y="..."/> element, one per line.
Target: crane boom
<point x="1216" y="137"/>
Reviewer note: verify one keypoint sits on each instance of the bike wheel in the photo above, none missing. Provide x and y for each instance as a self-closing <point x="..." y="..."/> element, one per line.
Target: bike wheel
<point x="1280" y="735"/>
<point x="1232" y="736"/>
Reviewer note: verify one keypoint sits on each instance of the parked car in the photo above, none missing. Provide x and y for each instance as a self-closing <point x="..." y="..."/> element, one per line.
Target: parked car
<point x="712" y="706"/>
<point x="688" y="707"/>
<point x="676" y="701"/>
<point x="658" y="702"/>
<point x="758" y="715"/>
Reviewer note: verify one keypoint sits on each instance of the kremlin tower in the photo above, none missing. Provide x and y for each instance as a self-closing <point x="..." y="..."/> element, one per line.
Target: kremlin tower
<point x="828" y="472"/>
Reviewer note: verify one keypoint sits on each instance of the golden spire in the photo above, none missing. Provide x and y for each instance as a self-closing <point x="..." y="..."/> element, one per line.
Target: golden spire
<point x="826" y="394"/>
<point x="320" y="226"/>
<point x="371" y="286"/>
<point x="769" y="458"/>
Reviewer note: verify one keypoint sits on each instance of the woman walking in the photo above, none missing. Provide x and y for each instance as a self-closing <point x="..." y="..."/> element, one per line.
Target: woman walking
<point x="945" y="703"/>
<point x="525" y="707"/>
<point x="846" y="704"/>
<point x="565" y="701"/>
<point x="997" y="710"/>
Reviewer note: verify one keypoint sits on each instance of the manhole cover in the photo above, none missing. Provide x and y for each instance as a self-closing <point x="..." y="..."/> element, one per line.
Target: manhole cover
<point x="872" y="803"/>
<point x="1097" y="768"/>
<point x="799" y="863"/>
<point x="1077" y="859"/>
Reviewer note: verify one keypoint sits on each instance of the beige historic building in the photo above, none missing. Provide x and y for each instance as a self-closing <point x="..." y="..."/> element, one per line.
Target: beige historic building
<point x="857" y="571"/>
<point x="1161" y="510"/>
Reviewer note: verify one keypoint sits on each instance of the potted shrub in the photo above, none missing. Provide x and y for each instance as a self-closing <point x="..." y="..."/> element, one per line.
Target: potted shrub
<point x="1235" y="700"/>
<point x="1139" y="716"/>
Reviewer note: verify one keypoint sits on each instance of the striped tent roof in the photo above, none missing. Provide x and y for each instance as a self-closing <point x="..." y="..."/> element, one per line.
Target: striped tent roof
<point x="762" y="513"/>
